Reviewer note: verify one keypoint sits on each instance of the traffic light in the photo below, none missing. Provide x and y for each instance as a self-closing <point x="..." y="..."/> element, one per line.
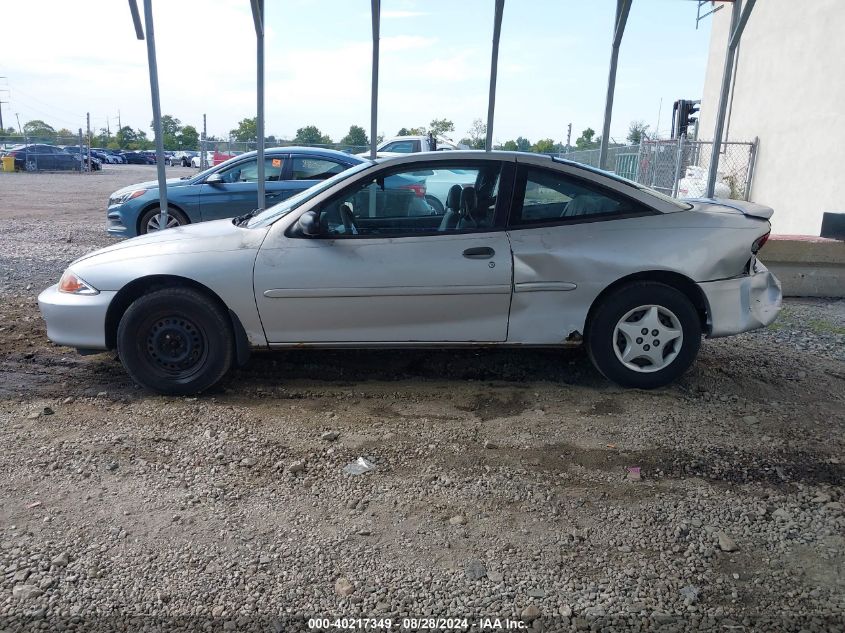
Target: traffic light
<point x="683" y="116"/>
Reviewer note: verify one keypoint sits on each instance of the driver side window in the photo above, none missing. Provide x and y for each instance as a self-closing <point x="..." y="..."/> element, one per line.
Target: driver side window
<point x="247" y="171"/>
<point x="423" y="199"/>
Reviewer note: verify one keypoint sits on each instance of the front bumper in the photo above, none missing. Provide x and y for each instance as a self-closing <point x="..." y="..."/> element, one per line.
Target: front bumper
<point x="742" y="303"/>
<point x="75" y="320"/>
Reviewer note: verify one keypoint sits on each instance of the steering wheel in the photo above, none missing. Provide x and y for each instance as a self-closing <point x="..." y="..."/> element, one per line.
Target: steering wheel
<point x="348" y="219"/>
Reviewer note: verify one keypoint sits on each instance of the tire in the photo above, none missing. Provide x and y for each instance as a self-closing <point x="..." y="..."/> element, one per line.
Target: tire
<point x="184" y="163"/>
<point x="435" y="204"/>
<point x="176" y="341"/>
<point x="618" y="348"/>
<point x="148" y="220"/>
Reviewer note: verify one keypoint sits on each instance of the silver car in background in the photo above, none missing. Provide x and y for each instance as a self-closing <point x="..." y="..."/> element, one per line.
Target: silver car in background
<point x="527" y="251"/>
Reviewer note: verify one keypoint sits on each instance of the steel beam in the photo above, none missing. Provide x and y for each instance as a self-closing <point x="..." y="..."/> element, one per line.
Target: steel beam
<point x="623" y="7"/>
<point x="151" y="61"/>
<point x="739" y="18"/>
<point x="376" y="16"/>
<point x="258" y="19"/>
<point x="136" y="19"/>
<point x="494" y="69"/>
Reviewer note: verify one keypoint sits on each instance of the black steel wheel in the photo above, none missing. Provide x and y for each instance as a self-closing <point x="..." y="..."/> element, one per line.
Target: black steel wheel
<point x="176" y="341"/>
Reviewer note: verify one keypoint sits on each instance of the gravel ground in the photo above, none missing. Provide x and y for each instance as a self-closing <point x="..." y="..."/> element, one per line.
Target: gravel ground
<point x="505" y="482"/>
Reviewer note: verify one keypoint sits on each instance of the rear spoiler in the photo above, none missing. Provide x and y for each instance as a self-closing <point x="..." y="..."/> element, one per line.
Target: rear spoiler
<point x="751" y="209"/>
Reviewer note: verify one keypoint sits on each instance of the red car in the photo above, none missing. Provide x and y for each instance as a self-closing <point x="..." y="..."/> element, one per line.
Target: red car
<point x="219" y="157"/>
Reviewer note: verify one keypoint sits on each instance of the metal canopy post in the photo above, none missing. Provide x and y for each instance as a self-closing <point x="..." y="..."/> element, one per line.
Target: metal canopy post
<point x="739" y="18"/>
<point x="376" y="15"/>
<point x="623" y="7"/>
<point x="258" y="19"/>
<point x="153" y="66"/>
<point x="494" y="69"/>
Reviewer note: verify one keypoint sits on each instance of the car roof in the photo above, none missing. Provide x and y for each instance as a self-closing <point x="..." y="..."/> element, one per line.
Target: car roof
<point x="315" y="151"/>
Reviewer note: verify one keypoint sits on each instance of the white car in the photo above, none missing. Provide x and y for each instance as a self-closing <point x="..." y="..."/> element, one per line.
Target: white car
<point x="209" y="160"/>
<point x="538" y="252"/>
<point x="401" y="145"/>
<point x="694" y="184"/>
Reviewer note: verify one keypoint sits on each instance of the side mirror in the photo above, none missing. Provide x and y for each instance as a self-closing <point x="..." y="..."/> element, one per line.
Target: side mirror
<point x="214" y="179"/>
<point x="309" y="224"/>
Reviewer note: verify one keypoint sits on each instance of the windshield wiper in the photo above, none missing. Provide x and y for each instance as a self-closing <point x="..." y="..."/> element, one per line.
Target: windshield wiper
<point x="246" y="217"/>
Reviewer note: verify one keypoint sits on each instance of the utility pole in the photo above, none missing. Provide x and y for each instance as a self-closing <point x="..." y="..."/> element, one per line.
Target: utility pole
<point x="568" y="136"/>
<point x="119" y="126"/>
<point x="203" y="162"/>
<point x="2" y="129"/>
<point x="88" y="125"/>
<point x="18" y="117"/>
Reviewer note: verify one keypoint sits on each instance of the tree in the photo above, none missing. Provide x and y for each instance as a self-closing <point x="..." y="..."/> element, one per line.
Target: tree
<point x="439" y="127"/>
<point x="38" y="129"/>
<point x="586" y="140"/>
<point x="189" y="138"/>
<point x="247" y="130"/>
<point x="477" y="135"/>
<point x="127" y="138"/>
<point x="356" y="136"/>
<point x="510" y="146"/>
<point x="544" y="146"/>
<point x="311" y="135"/>
<point x="636" y="131"/>
<point x="523" y="144"/>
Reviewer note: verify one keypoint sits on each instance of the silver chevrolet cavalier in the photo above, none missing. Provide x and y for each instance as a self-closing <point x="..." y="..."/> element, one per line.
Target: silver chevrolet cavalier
<point x="522" y="250"/>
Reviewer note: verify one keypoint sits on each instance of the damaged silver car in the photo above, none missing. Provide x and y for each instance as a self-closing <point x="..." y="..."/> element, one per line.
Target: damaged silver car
<point x="522" y="250"/>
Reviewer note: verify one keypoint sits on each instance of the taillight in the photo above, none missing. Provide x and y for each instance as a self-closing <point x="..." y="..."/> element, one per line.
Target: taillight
<point x="758" y="243"/>
<point x="418" y="189"/>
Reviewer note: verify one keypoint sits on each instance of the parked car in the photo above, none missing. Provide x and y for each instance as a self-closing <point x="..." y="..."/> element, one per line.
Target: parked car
<point x="91" y="163"/>
<point x="694" y="184"/>
<point x="209" y="159"/>
<point x="223" y="191"/>
<point x="115" y="156"/>
<point x="218" y="157"/>
<point x="39" y="156"/>
<point x="180" y="158"/>
<point x="138" y="158"/>
<point x="399" y="145"/>
<point x="538" y="252"/>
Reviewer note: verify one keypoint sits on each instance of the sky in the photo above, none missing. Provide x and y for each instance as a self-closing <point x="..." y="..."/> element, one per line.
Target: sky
<point x="68" y="58"/>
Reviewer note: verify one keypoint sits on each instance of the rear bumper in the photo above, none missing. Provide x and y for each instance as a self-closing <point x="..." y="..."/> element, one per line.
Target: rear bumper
<point x="75" y="320"/>
<point x="742" y="303"/>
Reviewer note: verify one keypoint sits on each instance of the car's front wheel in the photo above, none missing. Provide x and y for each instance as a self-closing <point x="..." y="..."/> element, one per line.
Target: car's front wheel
<point x="176" y="341"/>
<point x="645" y="335"/>
<point x="151" y="220"/>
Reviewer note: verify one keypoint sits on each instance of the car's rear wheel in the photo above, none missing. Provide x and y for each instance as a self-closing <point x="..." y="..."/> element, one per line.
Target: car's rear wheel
<point x="435" y="204"/>
<point x="151" y="220"/>
<point x="175" y="341"/>
<point x="644" y="335"/>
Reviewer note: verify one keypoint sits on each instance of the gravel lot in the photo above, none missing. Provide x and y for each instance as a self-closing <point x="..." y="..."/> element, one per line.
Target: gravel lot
<point x="501" y="485"/>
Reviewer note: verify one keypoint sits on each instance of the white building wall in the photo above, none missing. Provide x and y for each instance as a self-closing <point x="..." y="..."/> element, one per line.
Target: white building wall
<point x="789" y="93"/>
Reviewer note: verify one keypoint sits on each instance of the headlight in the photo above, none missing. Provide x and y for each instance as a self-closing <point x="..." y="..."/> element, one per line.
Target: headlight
<point x="125" y="197"/>
<point x="73" y="285"/>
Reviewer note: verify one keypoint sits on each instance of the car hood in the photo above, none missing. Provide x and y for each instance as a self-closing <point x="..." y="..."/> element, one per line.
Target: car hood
<point x="205" y="237"/>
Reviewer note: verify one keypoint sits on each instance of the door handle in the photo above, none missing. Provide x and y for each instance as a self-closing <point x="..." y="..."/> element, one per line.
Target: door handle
<point x="479" y="252"/>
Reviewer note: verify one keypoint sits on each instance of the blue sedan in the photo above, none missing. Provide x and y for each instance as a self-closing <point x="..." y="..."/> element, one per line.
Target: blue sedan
<point x="224" y="191"/>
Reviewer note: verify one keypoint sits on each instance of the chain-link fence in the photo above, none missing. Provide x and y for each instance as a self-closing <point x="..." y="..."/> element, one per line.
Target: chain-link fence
<point x="679" y="167"/>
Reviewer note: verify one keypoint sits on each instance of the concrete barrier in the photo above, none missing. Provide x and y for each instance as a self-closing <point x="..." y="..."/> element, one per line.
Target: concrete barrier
<point x="806" y="266"/>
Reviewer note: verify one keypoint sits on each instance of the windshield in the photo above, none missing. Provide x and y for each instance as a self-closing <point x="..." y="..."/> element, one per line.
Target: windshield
<point x="268" y="216"/>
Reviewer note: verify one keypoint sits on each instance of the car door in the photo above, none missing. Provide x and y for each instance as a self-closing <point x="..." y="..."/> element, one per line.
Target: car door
<point x="379" y="273"/>
<point x="238" y="191"/>
<point x="305" y="171"/>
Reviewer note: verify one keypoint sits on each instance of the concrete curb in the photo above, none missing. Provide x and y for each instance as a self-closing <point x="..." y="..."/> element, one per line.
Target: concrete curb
<point x="806" y="266"/>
